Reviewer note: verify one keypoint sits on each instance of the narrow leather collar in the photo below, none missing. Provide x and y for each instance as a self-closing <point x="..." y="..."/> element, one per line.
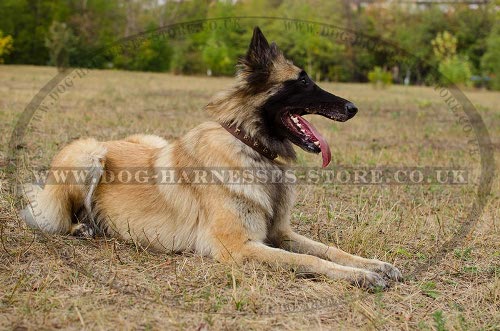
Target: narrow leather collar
<point x="249" y="141"/>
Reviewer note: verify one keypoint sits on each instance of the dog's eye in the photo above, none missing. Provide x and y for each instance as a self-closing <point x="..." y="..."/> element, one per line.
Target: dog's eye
<point x="303" y="81"/>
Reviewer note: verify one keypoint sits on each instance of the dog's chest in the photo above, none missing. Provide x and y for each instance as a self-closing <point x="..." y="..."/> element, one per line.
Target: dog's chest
<point x="259" y="206"/>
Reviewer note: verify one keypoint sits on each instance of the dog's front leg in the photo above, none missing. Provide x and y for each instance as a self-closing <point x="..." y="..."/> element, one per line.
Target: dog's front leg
<point x="252" y="250"/>
<point x="295" y="242"/>
<point x="233" y="242"/>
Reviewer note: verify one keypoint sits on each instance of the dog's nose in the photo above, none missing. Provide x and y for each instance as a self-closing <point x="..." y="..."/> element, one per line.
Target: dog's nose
<point x="350" y="109"/>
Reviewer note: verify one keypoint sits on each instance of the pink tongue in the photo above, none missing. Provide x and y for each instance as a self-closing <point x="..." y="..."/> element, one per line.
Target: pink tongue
<point x="325" y="149"/>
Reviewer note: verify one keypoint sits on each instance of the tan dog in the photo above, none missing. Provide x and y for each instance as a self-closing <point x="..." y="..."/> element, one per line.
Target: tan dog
<point x="256" y="121"/>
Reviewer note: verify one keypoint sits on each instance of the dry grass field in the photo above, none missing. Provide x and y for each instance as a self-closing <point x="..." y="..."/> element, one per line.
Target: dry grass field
<point x="59" y="282"/>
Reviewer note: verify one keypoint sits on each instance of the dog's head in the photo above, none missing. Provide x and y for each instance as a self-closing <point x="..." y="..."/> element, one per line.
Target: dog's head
<point x="280" y="94"/>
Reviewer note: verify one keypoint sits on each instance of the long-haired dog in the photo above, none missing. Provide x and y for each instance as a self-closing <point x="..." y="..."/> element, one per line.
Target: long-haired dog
<point x="256" y="121"/>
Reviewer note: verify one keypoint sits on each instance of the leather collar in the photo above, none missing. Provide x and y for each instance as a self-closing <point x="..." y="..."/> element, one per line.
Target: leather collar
<point x="241" y="135"/>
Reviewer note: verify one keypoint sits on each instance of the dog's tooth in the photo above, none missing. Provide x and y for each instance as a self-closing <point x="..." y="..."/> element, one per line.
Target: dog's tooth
<point x="299" y="125"/>
<point x="295" y="119"/>
<point x="316" y="143"/>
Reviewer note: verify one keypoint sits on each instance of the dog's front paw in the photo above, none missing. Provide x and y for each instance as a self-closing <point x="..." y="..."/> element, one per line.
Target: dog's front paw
<point x="369" y="280"/>
<point x="387" y="270"/>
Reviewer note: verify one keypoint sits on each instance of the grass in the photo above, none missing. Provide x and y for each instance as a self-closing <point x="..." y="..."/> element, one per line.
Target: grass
<point x="49" y="282"/>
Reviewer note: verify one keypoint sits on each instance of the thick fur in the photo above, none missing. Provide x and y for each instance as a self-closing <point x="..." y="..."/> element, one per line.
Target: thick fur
<point x="231" y="223"/>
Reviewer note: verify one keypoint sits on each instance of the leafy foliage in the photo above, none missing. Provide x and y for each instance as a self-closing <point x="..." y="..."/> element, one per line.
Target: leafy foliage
<point x="490" y="61"/>
<point x="59" y="42"/>
<point x="152" y="54"/>
<point x="379" y="77"/>
<point x="453" y="68"/>
<point x="6" y="45"/>
<point x="215" y="47"/>
<point x="444" y="45"/>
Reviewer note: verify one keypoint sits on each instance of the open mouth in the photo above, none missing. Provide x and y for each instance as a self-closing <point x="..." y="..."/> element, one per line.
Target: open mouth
<point x="307" y="137"/>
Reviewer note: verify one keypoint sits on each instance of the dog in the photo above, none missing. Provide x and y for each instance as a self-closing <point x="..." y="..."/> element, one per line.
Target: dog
<point x="256" y="123"/>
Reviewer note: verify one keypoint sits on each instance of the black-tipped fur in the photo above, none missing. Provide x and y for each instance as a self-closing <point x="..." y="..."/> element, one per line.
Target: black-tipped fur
<point x="255" y="66"/>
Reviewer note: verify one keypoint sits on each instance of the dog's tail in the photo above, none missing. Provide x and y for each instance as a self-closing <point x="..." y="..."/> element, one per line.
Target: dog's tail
<point x="70" y="186"/>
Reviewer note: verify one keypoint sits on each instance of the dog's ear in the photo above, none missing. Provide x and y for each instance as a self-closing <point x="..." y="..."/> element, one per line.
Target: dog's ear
<point x="259" y="47"/>
<point x="256" y="64"/>
<point x="260" y="54"/>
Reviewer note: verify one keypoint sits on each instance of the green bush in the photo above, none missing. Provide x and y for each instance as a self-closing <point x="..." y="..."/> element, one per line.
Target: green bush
<point x="379" y="77"/>
<point x="490" y="62"/>
<point x="455" y="70"/>
<point x="5" y="45"/>
<point x="153" y="54"/>
<point x="186" y="60"/>
<point x="217" y="57"/>
<point x="60" y="42"/>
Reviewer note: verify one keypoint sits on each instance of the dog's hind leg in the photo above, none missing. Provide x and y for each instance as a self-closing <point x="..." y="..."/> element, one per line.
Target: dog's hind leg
<point x="83" y="230"/>
<point x="74" y="175"/>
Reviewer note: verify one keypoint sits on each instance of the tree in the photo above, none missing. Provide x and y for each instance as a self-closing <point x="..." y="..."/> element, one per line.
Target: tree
<point x="379" y="77"/>
<point x="454" y="69"/>
<point x="216" y="47"/>
<point x="472" y="27"/>
<point x="153" y="54"/>
<point x="307" y="44"/>
<point x="6" y="45"/>
<point x="59" y="42"/>
<point x="490" y="62"/>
